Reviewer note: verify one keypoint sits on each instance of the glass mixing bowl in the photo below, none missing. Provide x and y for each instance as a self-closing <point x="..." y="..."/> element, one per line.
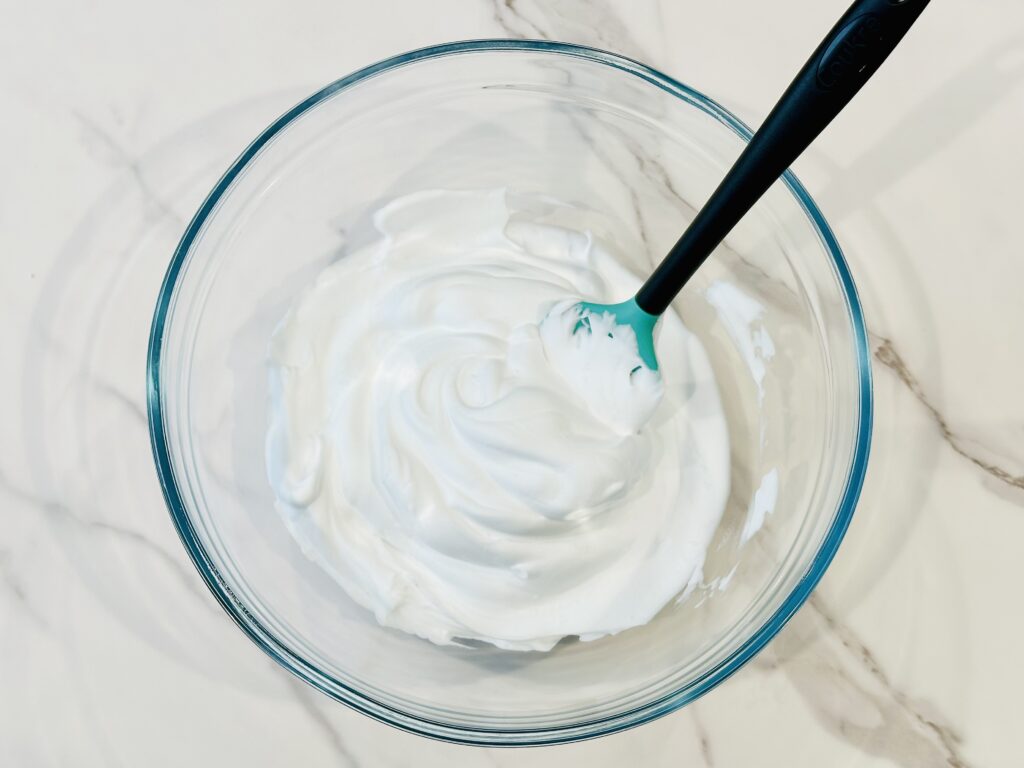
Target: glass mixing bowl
<point x="633" y="152"/>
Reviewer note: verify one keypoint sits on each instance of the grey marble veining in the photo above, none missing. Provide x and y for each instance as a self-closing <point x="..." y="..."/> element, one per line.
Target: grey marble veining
<point x="120" y="116"/>
<point x="886" y="354"/>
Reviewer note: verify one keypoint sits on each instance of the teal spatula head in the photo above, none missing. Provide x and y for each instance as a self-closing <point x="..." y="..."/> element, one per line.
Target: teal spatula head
<point x="628" y="314"/>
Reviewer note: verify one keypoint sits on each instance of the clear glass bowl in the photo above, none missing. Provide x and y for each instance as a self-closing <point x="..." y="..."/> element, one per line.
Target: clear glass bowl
<point x="635" y="152"/>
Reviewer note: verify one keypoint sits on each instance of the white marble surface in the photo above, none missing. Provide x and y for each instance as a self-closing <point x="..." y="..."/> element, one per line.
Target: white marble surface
<point x="117" y="117"/>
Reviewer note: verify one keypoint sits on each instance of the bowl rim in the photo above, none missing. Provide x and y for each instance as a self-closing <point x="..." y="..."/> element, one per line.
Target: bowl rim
<point x="448" y="731"/>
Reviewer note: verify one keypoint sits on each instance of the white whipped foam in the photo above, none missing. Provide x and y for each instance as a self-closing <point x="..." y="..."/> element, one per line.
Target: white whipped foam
<point x="602" y="365"/>
<point x="428" y="454"/>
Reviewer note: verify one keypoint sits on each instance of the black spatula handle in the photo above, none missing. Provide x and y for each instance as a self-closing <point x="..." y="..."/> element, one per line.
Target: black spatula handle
<point x="847" y="57"/>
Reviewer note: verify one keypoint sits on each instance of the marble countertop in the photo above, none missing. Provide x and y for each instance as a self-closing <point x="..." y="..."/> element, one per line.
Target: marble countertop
<point x="117" y="118"/>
